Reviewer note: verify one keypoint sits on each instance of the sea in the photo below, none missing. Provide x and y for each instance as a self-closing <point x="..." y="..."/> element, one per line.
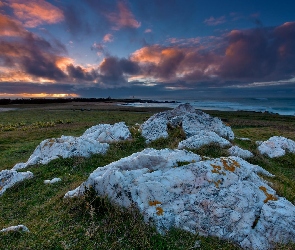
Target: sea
<point x="281" y="106"/>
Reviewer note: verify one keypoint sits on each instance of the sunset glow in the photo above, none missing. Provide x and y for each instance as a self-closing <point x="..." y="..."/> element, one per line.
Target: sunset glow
<point x="94" y="48"/>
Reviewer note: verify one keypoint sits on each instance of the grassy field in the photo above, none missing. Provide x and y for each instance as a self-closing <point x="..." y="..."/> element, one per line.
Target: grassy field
<point x="91" y="222"/>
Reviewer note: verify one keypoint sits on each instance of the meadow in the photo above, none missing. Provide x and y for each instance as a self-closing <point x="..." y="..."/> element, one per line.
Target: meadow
<point x="91" y="222"/>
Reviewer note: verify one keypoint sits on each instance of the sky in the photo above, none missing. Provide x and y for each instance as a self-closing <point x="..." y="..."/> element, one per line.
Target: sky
<point x="160" y="49"/>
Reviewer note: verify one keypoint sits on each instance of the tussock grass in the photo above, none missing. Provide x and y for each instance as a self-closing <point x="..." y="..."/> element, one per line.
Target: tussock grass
<point x="92" y="222"/>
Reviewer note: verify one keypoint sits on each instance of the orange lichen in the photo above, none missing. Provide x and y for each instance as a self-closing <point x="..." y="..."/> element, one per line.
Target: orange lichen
<point x="154" y="203"/>
<point x="269" y="197"/>
<point x="217" y="183"/>
<point x="159" y="210"/>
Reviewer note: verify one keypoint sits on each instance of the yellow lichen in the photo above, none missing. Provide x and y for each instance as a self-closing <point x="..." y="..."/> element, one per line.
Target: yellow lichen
<point x="269" y="197"/>
<point x="159" y="210"/>
<point x="154" y="203"/>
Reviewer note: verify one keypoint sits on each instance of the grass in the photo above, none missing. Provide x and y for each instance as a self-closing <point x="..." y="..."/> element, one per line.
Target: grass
<point x="92" y="222"/>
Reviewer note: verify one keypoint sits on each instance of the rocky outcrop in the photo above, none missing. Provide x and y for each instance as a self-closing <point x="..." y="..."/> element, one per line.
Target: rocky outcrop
<point x="9" y="178"/>
<point x="276" y="146"/>
<point x="237" y="151"/>
<point x="108" y="133"/>
<point x="64" y="147"/>
<point x="221" y="197"/>
<point x="192" y="121"/>
<point x="203" y="138"/>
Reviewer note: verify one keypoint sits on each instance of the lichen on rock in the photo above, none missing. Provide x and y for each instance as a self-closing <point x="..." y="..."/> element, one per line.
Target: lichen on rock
<point x="223" y="197"/>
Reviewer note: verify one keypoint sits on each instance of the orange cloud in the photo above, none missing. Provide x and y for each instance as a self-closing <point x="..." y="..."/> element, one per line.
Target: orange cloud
<point x="36" y="12"/>
<point x="38" y="95"/>
<point x="10" y="27"/>
<point x="123" y="19"/>
<point x="108" y="38"/>
<point x="150" y="54"/>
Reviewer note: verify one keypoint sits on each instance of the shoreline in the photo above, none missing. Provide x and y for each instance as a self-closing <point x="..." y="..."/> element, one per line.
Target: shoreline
<point x="120" y="106"/>
<point x="267" y="106"/>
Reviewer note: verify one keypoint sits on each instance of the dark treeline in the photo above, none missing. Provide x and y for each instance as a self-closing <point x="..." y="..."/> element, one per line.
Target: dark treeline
<point x="65" y="100"/>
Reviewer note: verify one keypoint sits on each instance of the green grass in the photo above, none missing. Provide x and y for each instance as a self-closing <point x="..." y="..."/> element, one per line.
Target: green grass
<point x="92" y="222"/>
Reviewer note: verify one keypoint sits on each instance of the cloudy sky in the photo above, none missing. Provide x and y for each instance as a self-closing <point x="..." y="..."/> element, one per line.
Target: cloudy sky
<point x="147" y="48"/>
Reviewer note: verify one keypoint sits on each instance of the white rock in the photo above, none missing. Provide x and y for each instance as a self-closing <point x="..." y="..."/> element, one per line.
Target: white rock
<point x="91" y="142"/>
<point x="64" y="147"/>
<point x="15" y="228"/>
<point x="243" y="138"/>
<point x="108" y="133"/>
<point x="237" y="151"/>
<point x="192" y="121"/>
<point x="148" y="160"/>
<point x="54" y="180"/>
<point x="10" y="177"/>
<point x="203" y="138"/>
<point x="220" y="197"/>
<point x="276" y="146"/>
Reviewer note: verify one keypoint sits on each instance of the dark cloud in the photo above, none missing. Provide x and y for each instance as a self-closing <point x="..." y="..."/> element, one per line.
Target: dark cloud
<point x="113" y="70"/>
<point x="79" y="73"/>
<point x="260" y="54"/>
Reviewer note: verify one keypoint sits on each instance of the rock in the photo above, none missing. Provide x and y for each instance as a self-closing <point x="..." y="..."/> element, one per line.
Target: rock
<point x="276" y="146"/>
<point x="149" y="160"/>
<point x="203" y="138"/>
<point x="64" y="147"/>
<point x="91" y="142"/>
<point x="15" y="228"/>
<point x="192" y="121"/>
<point x="10" y="177"/>
<point x="243" y="138"/>
<point x="237" y="151"/>
<point x="108" y="133"/>
<point x="223" y="197"/>
<point x="54" y="180"/>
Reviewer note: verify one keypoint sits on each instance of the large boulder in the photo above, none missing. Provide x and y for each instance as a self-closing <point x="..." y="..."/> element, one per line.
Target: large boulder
<point x="63" y="147"/>
<point x="192" y="121"/>
<point x="9" y="178"/>
<point x="276" y="146"/>
<point x="108" y="133"/>
<point x="203" y="138"/>
<point x="223" y="197"/>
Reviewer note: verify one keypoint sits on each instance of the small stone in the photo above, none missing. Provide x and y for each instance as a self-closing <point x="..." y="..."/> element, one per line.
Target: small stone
<point x="20" y="228"/>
